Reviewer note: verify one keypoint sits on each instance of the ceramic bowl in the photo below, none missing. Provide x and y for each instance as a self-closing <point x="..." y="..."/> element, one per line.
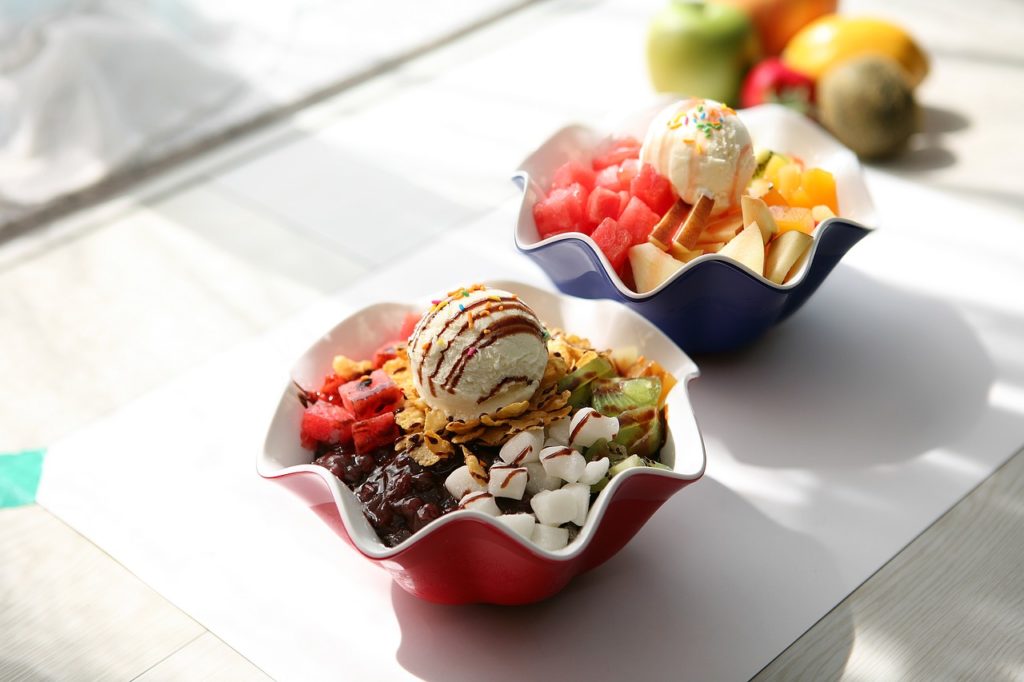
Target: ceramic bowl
<point x="712" y="303"/>
<point x="467" y="556"/>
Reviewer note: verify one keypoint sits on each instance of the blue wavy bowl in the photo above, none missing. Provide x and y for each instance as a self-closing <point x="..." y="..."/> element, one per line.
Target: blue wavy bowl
<point x="713" y="303"/>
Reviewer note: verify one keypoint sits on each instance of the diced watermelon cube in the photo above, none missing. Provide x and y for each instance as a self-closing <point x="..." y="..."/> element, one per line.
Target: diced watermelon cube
<point x="375" y="433"/>
<point x="608" y="177"/>
<point x="408" y="325"/>
<point x="628" y="170"/>
<point x="388" y="351"/>
<point x="563" y="210"/>
<point x="329" y="389"/>
<point x="370" y="396"/>
<point x="638" y="219"/>
<point x="603" y="203"/>
<point x="572" y="172"/>
<point x="624" y="198"/>
<point x="614" y="242"/>
<point x="323" y="422"/>
<point x="653" y="189"/>
<point x="615" y="151"/>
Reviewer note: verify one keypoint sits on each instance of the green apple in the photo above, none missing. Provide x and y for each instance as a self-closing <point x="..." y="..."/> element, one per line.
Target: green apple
<point x="701" y="49"/>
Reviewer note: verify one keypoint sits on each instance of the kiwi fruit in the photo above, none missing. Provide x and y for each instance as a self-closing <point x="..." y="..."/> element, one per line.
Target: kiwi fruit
<point x="868" y="103"/>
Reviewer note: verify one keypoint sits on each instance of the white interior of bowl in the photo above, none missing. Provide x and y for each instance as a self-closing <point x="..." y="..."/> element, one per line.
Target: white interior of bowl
<point x="771" y="126"/>
<point x="605" y="323"/>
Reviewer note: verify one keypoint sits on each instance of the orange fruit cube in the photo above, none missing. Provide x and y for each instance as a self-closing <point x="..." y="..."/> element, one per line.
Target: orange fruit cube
<point x="793" y="218"/>
<point x="771" y="169"/>
<point x="820" y="187"/>
<point x="773" y="198"/>
<point x="821" y="213"/>
<point x="801" y="198"/>
<point x="789" y="181"/>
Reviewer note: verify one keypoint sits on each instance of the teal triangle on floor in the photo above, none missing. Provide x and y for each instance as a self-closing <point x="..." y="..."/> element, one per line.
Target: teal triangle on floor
<point x="19" y="477"/>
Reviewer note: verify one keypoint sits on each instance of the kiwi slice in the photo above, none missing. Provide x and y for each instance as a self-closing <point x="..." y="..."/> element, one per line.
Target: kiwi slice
<point x="641" y="431"/>
<point x="631" y="462"/>
<point x="611" y="397"/>
<point x="578" y="381"/>
<point x="615" y="452"/>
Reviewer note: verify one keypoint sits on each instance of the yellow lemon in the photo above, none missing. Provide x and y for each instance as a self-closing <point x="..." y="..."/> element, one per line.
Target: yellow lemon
<point x="833" y="39"/>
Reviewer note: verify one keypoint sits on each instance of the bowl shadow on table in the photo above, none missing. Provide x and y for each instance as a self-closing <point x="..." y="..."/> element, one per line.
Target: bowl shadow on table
<point x="670" y="606"/>
<point x="866" y="374"/>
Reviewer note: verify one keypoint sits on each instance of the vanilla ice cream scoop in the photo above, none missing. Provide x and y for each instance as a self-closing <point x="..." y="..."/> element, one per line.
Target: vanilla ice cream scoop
<point x="477" y="350"/>
<point x="702" y="147"/>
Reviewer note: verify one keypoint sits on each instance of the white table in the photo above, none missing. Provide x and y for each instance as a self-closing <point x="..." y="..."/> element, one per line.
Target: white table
<point x="110" y="303"/>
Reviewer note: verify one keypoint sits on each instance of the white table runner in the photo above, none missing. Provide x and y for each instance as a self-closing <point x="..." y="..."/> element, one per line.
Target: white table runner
<point x="831" y="444"/>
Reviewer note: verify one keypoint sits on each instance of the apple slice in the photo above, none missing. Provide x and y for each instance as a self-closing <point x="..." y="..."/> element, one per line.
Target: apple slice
<point x="784" y="252"/>
<point x="651" y="266"/>
<point x="681" y="253"/>
<point x="756" y="211"/>
<point x="723" y="228"/>
<point x="798" y="265"/>
<point x="695" y="222"/>
<point x="661" y="235"/>
<point x="708" y="247"/>
<point x="747" y="248"/>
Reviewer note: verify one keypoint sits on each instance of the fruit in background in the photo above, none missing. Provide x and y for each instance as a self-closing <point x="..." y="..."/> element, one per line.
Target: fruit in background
<point x="700" y="49"/>
<point x="772" y="81"/>
<point x="831" y="40"/>
<point x="868" y="104"/>
<point x="777" y="21"/>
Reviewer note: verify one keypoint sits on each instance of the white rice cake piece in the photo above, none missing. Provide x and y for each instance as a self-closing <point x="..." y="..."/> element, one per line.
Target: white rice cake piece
<point x="563" y="462"/>
<point x="550" y="537"/>
<point x="555" y="507"/>
<point x="461" y="482"/>
<point x="520" y="523"/>
<point x="540" y="480"/>
<point x="481" y="502"/>
<point x="595" y="471"/>
<point x="507" y="481"/>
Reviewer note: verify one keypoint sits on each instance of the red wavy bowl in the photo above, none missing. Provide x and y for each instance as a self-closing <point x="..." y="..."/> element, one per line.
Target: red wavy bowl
<point x="467" y="556"/>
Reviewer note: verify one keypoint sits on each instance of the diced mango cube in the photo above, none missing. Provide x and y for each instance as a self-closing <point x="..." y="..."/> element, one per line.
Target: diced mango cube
<point x="821" y="213"/>
<point x="789" y="181"/>
<point x="801" y="198"/>
<point x="793" y="218"/>
<point x="773" y="198"/>
<point x="771" y="169"/>
<point x="820" y="187"/>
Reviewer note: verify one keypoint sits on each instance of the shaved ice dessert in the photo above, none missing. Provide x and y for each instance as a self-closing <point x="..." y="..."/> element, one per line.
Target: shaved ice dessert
<point x="695" y="186"/>
<point x="478" y="406"/>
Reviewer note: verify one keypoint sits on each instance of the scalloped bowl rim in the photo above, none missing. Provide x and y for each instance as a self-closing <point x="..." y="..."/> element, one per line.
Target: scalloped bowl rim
<point x="346" y="501"/>
<point x="752" y="118"/>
